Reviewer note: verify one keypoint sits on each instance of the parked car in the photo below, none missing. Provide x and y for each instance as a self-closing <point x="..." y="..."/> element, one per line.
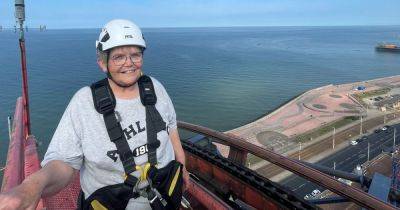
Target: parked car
<point x="363" y="138"/>
<point x="353" y="142"/>
<point x="384" y="128"/>
<point x="377" y="130"/>
<point x="308" y="196"/>
<point x="315" y="192"/>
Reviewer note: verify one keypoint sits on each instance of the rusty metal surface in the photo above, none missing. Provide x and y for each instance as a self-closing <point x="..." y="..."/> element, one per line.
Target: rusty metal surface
<point x="356" y="195"/>
<point x="205" y="197"/>
<point x="14" y="171"/>
<point x="230" y="179"/>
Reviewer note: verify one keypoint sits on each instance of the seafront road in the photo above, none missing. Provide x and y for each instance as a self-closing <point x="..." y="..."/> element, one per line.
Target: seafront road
<point x="323" y="146"/>
<point x="347" y="159"/>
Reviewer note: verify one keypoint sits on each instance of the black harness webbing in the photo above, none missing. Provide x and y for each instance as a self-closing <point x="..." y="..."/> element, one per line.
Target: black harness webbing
<point x="104" y="102"/>
<point x="154" y="122"/>
<point x="169" y="177"/>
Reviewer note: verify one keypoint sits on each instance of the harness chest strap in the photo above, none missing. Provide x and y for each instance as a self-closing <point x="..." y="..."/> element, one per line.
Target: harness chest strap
<point x="108" y="197"/>
<point x="105" y="102"/>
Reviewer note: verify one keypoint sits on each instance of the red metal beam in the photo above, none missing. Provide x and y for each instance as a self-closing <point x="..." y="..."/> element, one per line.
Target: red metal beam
<point x="14" y="171"/>
<point x="205" y="197"/>
<point x="226" y="182"/>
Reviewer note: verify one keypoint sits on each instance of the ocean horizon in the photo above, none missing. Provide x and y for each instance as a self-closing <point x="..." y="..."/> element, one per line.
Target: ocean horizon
<point x="194" y="27"/>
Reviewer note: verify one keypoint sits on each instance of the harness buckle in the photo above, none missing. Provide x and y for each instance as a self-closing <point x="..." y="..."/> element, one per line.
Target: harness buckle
<point x="118" y="116"/>
<point x="143" y="171"/>
<point x="105" y="105"/>
<point x="130" y="180"/>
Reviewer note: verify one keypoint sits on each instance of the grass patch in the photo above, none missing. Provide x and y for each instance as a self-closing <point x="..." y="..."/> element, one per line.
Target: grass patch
<point x="326" y="129"/>
<point x="252" y="159"/>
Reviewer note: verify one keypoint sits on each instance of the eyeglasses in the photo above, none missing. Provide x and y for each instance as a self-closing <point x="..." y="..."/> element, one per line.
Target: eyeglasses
<point x="120" y="60"/>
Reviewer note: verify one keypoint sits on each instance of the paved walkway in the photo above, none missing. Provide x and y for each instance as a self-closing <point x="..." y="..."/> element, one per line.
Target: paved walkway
<point x="308" y="111"/>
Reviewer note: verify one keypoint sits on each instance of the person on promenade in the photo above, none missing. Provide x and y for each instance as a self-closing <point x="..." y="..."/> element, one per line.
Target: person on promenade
<point x="114" y="133"/>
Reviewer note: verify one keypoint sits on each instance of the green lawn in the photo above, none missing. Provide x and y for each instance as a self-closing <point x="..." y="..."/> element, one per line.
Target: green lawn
<point x="252" y="159"/>
<point x="325" y="129"/>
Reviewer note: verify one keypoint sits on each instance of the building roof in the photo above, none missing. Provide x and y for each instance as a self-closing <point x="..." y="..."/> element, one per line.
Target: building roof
<point x="387" y="101"/>
<point x="380" y="187"/>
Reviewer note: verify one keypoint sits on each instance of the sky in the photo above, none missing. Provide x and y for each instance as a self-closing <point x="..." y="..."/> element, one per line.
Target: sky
<point x="204" y="13"/>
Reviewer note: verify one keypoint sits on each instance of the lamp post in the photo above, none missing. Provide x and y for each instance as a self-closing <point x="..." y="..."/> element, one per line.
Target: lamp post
<point x="394" y="139"/>
<point x="333" y="138"/>
<point x="299" y="150"/>
<point x="384" y="119"/>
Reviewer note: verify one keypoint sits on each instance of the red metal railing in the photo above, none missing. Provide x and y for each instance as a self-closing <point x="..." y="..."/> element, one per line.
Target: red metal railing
<point x="22" y="157"/>
<point x="354" y="194"/>
<point x="14" y="171"/>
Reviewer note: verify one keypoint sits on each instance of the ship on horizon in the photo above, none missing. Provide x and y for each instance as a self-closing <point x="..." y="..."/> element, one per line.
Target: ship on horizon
<point x="388" y="48"/>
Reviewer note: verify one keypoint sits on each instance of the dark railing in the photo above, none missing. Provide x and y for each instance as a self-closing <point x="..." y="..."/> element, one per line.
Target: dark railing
<point x="241" y="146"/>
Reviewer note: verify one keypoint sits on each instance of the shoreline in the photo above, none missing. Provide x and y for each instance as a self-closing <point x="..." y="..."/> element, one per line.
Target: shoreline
<point x="309" y="111"/>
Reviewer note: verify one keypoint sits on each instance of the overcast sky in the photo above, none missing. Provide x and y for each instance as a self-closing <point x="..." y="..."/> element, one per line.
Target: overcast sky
<point x="204" y="13"/>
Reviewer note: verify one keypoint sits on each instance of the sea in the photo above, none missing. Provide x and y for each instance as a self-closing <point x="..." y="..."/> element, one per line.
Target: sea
<point x="221" y="78"/>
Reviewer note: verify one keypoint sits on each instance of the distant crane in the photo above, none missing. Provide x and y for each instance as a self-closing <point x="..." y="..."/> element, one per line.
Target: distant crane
<point x="42" y="27"/>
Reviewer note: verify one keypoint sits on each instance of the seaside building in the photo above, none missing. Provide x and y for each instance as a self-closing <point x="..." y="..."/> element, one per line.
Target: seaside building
<point x="391" y="102"/>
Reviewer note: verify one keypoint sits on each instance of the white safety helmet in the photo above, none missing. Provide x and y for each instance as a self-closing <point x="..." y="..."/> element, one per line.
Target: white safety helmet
<point x="119" y="32"/>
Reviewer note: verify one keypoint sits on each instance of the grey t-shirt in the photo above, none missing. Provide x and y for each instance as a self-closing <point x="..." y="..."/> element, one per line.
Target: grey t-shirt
<point x="81" y="139"/>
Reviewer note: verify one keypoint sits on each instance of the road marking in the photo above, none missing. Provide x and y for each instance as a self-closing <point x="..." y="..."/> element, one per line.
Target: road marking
<point x="354" y="155"/>
<point x="302" y="185"/>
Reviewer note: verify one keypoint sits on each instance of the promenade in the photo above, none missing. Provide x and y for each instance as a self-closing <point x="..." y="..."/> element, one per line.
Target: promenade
<point x="308" y="112"/>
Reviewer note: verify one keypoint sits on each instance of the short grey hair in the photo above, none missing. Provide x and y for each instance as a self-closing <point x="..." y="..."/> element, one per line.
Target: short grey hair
<point x="102" y="55"/>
